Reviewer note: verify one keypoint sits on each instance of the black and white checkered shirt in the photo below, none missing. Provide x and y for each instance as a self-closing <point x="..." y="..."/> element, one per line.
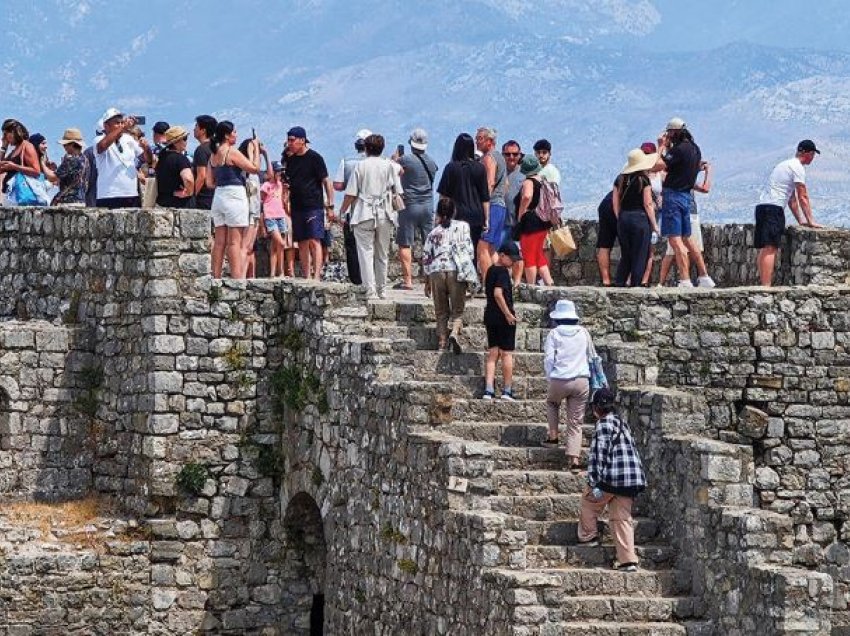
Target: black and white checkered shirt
<point x="614" y="460"/>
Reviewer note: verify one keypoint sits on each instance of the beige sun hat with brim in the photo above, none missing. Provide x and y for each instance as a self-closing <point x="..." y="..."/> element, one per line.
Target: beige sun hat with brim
<point x="72" y="136"/>
<point x="175" y="134"/>
<point x="638" y="160"/>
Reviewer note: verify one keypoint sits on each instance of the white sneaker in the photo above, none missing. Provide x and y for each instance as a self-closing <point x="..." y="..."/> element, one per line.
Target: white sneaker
<point x="685" y="283"/>
<point x="705" y="281"/>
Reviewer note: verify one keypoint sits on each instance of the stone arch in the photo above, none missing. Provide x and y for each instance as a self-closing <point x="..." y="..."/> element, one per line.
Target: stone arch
<point x="303" y="567"/>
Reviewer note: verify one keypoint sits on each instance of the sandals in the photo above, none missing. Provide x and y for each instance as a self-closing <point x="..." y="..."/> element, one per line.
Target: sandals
<point x="403" y="286"/>
<point x="550" y="443"/>
<point x="625" y="567"/>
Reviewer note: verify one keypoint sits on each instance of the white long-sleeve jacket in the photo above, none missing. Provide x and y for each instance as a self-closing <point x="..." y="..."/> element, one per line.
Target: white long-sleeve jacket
<point x="565" y="353"/>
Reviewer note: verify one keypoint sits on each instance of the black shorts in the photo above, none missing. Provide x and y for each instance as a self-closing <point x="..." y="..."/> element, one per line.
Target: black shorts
<point x="770" y="225"/>
<point x="501" y="336"/>
<point x="607" y="228"/>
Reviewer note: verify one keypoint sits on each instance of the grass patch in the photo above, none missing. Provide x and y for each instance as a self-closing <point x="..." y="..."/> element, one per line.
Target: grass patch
<point x="408" y="566"/>
<point x="192" y="478"/>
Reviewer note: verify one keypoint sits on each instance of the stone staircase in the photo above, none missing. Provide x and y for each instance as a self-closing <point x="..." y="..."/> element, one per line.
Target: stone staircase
<point x="561" y="588"/>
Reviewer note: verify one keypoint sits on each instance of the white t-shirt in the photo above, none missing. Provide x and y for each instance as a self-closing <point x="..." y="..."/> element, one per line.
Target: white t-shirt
<point x="116" y="170"/>
<point x="373" y="182"/>
<point x="782" y="182"/>
<point x="551" y="174"/>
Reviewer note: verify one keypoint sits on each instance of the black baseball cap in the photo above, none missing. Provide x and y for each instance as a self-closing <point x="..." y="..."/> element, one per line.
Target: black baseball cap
<point x="807" y="145"/>
<point x="298" y="132"/>
<point x="509" y="248"/>
<point x="603" y="398"/>
<point x="160" y="127"/>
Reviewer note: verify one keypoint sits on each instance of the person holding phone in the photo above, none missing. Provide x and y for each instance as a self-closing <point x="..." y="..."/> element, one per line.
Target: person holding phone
<point x="116" y="156"/>
<point x="230" y="202"/>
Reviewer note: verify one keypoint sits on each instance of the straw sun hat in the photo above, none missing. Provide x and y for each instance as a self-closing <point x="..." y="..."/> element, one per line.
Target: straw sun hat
<point x="638" y="160"/>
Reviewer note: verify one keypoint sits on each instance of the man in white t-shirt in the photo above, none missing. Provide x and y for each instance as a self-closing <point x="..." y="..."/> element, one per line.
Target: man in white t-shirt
<point x="116" y="154"/>
<point x="787" y="185"/>
<point x="543" y="152"/>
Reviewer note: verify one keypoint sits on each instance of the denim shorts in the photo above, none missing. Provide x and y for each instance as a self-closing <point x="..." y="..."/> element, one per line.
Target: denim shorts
<point x="416" y="218"/>
<point x="676" y="213"/>
<point x="276" y="225"/>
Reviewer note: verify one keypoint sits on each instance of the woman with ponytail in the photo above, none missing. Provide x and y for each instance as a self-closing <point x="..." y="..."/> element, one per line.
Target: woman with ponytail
<point x="230" y="202"/>
<point x="448" y="261"/>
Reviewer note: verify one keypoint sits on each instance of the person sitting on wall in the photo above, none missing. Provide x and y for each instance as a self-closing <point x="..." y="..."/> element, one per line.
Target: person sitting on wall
<point x="786" y="185"/>
<point x="615" y="477"/>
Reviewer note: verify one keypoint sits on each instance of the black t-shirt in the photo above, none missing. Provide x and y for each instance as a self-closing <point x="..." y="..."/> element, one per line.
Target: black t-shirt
<point x="465" y="183"/>
<point x="530" y="221"/>
<point x="497" y="276"/>
<point x="631" y="190"/>
<point x="168" y="179"/>
<point x="682" y="162"/>
<point x="306" y="174"/>
<point x="201" y="159"/>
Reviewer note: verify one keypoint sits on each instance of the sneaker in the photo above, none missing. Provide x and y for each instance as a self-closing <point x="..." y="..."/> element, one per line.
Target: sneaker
<point x="685" y="283"/>
<point x="508" y="395"/>
<point x="454" y="343"/>
<point x="488" y="395"/>
<point x="625" y="567"/>
<point x="590" y="543"/>
<point x="706" y="281"/>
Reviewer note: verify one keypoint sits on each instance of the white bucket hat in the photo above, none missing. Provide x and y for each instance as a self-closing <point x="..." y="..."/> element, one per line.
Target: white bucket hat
<point x="564" y="310"/>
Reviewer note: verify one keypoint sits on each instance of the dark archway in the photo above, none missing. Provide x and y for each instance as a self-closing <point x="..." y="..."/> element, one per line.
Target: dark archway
<point x="303" y="567"/>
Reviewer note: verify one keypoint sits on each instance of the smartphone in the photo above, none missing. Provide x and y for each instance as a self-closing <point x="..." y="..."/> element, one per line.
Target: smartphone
<point x="253" y="134"/>
<point x="399" y="150"/>
<point x="141" y="120"/>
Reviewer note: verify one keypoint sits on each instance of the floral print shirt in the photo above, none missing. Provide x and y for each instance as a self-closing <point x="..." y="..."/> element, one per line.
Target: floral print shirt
<point x="73" y="175"/>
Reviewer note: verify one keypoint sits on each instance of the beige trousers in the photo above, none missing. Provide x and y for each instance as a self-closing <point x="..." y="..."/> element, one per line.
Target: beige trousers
<point x="373" y="253"/>
<point x="575" y="392"/>
<point x="449" y="301"/>
<point x="619" y="519"/>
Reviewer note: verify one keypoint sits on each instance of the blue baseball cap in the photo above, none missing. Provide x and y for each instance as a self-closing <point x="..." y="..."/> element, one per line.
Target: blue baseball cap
<point x="299" y="132"/>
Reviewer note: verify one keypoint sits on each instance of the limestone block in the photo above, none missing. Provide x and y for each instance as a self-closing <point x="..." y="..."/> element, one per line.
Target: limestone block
<point x="752" y="422"/>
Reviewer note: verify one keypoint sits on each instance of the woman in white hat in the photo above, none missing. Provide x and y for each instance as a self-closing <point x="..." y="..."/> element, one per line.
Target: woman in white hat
<point x="565" y="360"/>
<point x="72" y="175"/>
<point x="635" y="212"/>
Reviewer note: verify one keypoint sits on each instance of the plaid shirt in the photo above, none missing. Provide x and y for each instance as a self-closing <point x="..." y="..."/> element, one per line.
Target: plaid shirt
<point x="614" y="459"/>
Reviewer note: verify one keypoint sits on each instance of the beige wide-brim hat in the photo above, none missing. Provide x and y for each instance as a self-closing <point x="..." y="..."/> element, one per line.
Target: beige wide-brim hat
<point x="72" y="136"/>
<point x="638" y="160"/>
<point x="175" y="134"/>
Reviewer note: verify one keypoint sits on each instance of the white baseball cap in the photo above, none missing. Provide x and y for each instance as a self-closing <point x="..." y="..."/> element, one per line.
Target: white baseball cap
<point x="362" y="134"/>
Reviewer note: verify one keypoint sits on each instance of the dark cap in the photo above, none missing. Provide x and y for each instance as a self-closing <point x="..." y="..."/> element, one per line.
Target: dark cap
<point x="276" y="166"/>
<point x="542" y="144"/>
<point x="509" y="248"/>
<point x="807" y="145"/>
<point x="299" y="132"/>
<point x="160" y="127"/>
<point x="603" y="398"/>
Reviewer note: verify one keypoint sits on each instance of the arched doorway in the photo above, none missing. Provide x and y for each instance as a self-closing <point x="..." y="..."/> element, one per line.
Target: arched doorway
<point x="303" y="569"/>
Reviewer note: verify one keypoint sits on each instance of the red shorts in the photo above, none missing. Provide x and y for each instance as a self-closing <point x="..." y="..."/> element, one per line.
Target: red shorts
<point x="532" y="249"/>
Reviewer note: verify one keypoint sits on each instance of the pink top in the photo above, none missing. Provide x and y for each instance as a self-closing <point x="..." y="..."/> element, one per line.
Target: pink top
<point x="272" y="194"/>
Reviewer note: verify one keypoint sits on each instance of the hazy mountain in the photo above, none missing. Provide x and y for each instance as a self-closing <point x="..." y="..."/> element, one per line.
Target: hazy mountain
<point x="596" y="78"/>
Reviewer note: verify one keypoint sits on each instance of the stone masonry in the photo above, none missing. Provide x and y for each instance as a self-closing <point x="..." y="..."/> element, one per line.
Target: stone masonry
<point x="278" y="455"/>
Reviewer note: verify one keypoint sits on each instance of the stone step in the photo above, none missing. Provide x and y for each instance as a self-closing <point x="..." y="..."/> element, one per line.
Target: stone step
<point x="606" y="628"/>
<point x="498" y="410"/>
<point x="652" y="556"/>
<point x="473" y="337"/>
<point x="429" y="364"/>
<point x="564" y="532"/>
<point x="532" y="458"/>
<point x="525" y="387"/>
<point x="621" y="609"/>
<point x="536" y="507"/>
<point x="536" y="482"/>
<point x="419" y="311"/>
<point x="552" y="584"/>
<point x="509" y="434"/>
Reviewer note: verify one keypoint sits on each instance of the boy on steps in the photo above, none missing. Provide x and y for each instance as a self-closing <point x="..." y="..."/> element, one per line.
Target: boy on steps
<point x="500" y="321"/>
<point x="614" y="478"/>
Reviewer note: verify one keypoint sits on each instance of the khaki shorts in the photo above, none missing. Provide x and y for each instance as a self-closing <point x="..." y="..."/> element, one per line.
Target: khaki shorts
<point x="696" y="235"/>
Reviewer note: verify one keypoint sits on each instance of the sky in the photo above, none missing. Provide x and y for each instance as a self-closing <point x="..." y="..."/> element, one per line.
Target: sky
<point x="596" y="77"/>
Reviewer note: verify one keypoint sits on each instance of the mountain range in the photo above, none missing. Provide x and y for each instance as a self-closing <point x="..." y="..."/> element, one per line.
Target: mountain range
<point x="596" y="78"/>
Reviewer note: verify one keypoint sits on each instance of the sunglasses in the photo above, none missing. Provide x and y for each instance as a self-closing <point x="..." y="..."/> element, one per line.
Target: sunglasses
<point x="511" y="154"/>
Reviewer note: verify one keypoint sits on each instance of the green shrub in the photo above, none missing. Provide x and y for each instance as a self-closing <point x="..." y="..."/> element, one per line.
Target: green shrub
<point x="192" y="478"/>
